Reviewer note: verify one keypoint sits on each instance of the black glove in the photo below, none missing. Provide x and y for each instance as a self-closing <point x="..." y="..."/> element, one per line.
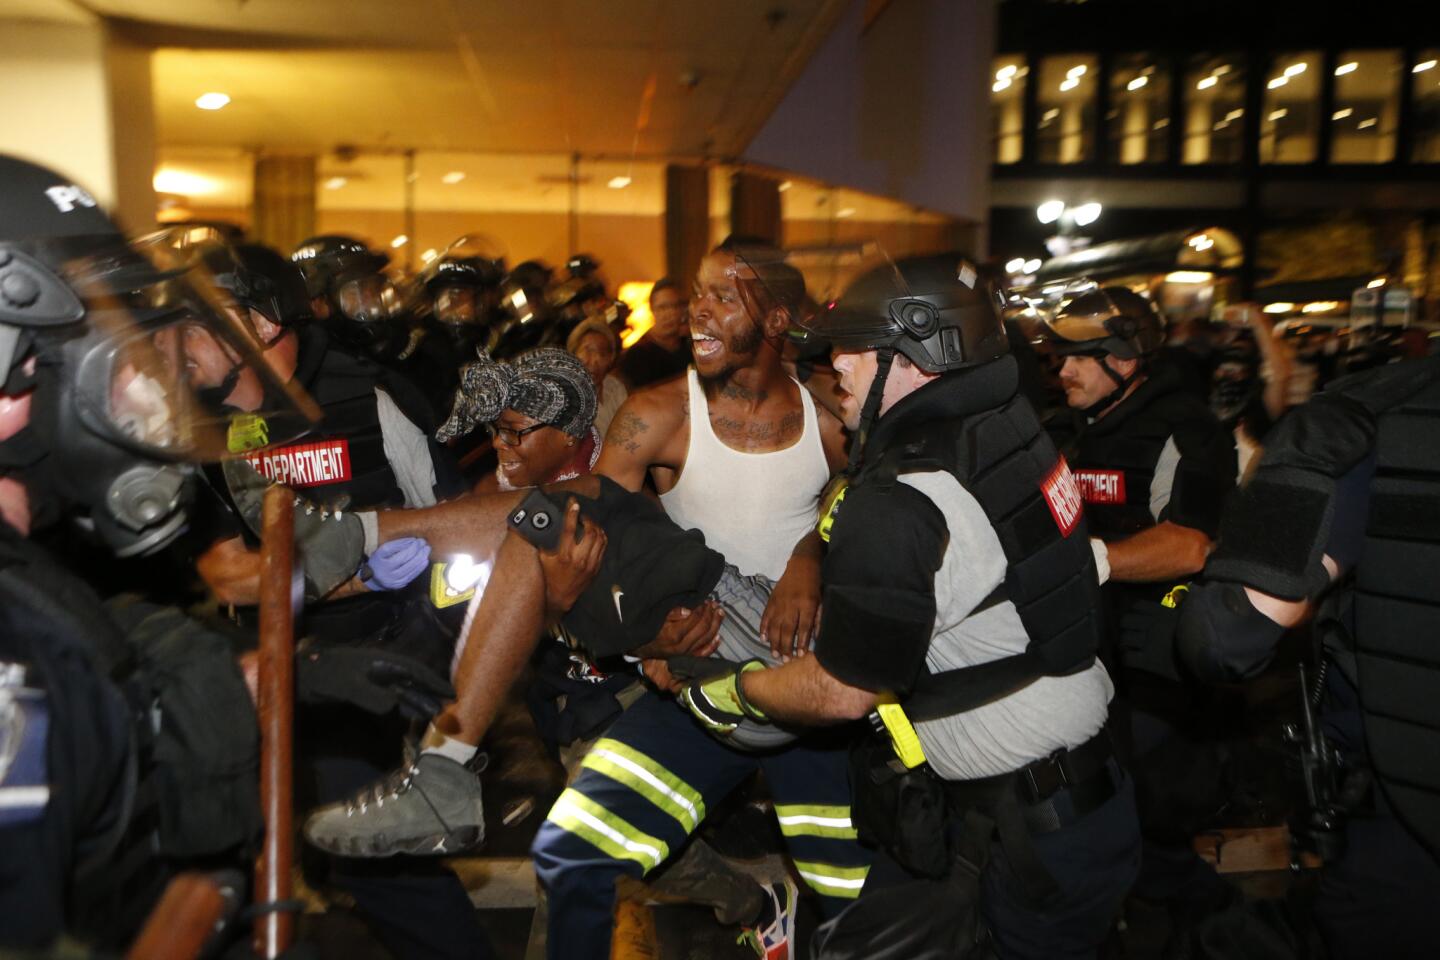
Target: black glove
<point x="1147" y="635"/>
<point x="375" y="680"/>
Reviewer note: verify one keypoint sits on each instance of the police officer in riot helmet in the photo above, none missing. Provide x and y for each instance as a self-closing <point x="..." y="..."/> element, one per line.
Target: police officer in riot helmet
<point x="960" y="539"/>
<point x="350" y="292"/>
<point x="1153" y="466"/>
<point x="463" y="285"/>
<point x="529" y="317"/>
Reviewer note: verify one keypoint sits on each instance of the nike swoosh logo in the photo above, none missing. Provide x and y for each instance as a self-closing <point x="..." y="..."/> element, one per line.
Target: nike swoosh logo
<point x="616" y="593"/>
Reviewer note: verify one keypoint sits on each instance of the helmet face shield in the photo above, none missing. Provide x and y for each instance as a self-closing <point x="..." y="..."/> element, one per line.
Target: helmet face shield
<point x="368" y="299"/>
<point x="1090" y="320"/>
<point x="457" y="306"/>
<point x="169" y="365"/>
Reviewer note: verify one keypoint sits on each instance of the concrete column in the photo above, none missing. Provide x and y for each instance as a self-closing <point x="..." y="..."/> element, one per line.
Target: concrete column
<point x="687" y="221"/>
<point x="755" y="206"/>
<point x="284" y="201"/>
<point x="78" y="100"/>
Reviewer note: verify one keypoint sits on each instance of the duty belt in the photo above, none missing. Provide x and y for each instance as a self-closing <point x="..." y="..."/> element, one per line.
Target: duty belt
<point x="1053" y="792"/>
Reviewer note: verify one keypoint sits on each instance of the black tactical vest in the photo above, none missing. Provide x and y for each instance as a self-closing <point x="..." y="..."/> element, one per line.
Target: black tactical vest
<point x="1396" y="593"/>
<point x="1003" y="458"/>
<point x="1114" y="458"/>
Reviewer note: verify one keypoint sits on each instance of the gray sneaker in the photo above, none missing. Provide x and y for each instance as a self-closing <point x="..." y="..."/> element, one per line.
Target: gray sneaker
<point x="429" y="808"/>
<point x="331" y="542"/>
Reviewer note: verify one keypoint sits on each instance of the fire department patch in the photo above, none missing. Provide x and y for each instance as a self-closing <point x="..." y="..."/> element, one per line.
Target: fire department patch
<point x="1101" y="486"/>
<point x="1062" y="495"/>
<point x="306" y="464"/>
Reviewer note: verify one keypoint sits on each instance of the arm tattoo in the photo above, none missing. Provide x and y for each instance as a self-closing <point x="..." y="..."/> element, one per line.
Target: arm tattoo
<point x="627" y="430"/>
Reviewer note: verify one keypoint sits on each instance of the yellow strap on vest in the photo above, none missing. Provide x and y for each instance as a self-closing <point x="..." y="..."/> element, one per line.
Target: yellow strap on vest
<point x="248" y="431"/>
<point x="902" y="734"/>
<point x="830" y="502"/>
<point x="1176" y="594"/>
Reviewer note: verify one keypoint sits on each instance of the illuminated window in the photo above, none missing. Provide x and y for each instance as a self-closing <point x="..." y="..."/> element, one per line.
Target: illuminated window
<point x="1425" y="80"/>
<point x="1007" y="108"/>
<point x="1214" y="110"/>
<point x="1065" y="102"/>
<point x="1290" y="118"/>
<point x="1367" y="106"/>
<point x="1139" y="118"/>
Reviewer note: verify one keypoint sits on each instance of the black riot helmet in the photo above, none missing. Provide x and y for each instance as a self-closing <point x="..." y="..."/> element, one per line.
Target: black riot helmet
<point x="460" y="281"/>
<point x="109" y="354"/>
<point x="937" y="311"/>
<point x="326" y="258"/>
<point x="1093" y="320"/>
<point x="582" y="266"/>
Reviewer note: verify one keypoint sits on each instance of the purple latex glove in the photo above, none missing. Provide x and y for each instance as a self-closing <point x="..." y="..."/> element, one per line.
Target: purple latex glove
<point x="395" y="563"/>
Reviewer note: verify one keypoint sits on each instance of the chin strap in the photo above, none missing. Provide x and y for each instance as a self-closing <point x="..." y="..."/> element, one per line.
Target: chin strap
<point x="871" y="410"/>
<point x="1113" y="397"/>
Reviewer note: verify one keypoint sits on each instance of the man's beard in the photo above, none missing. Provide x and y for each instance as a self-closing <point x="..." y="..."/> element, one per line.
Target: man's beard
<point x="740" y="349"/>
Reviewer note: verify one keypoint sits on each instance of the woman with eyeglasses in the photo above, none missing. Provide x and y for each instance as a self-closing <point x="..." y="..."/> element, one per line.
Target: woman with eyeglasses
<point x="540" y="410"/>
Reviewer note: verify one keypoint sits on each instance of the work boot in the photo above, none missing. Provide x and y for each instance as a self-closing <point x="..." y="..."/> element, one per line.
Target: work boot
<point x="431" y="807"/>
<point x="331" y="543"/>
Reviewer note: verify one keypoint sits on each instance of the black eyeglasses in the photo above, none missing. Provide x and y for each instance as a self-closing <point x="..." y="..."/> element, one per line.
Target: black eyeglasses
<point x="512" y="438"/>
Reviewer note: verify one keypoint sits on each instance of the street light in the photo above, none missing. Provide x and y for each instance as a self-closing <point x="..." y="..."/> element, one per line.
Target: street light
<point x="1050" y="211"/>
<point x="1081" y="216"/>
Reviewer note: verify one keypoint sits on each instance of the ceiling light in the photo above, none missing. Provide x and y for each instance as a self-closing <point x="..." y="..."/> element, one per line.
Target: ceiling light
<point x="168" y="180"/>
<point x="1032" y="265"/>
<point x="1277" y="83"/>
<point x="1160" y="124"/>
<point x="618" y="183"/>
<point x="399" y="242"/>
<point x="335" y="183"/>
<point x="1087" y="213"/>
<point x="1341" y="114"/>
<point x="1137" y="83"/>
<point x="845" y="212"/>
<point x="1221" y="70"/>
<point x="1200" y="242"/>
<point x="1005" y="73"/>
<point x="1281" y="307"/>
<point x="1367" y="123"/>
<point x="1050" y="114"/>
<point x="1187" y="276"/>
<point x="784" y="185"/>
<point x="1206" y="83"/>
<point x="1015" y="266"/>
<point x="1345" y="68"/>
<point x="1000" y="85"/>
<point x="1278" y="114"/>
<point x="1295" y="69"/>
<point x="1050" y="211"/>
<point x="1377" y="282"/>
<point x="1069" y="84"/>
<point x="211" y="101"/>
<point x="1075" y="73"/>
<point x="1234" y="114"/>
<point x="1321" y="306"/>
<point x="454" y="176"/>
<point x="1423" y="66"/>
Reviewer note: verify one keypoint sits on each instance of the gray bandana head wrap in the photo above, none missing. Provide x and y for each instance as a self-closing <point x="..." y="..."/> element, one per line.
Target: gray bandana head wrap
<point x="548" y="384"/>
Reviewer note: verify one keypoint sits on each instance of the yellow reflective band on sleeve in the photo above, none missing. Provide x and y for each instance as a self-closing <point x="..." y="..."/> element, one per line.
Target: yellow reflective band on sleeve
<point x="830" y="502"/>
<point x="647" y="778"/>
<point x="248" y="431"/>
<point x="441" y="593"/>
<point x="1176" y="594"/>
<point x="902" y="734"/>
<point x="815" y="820"/>
<point x="829" y="880"/>
<point x="578" y="814"/>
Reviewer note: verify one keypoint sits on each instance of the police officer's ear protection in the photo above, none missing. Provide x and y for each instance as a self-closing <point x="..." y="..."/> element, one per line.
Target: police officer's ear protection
<point x="1124" y="326"/>
<point x="918" y="318"/>
<point x="31" y="295"/>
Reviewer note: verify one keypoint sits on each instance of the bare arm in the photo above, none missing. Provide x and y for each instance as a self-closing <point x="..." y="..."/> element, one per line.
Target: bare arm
<point x="1166" y="551"/>
<point x="638" y="438"/>
<point x="802" y="692"/>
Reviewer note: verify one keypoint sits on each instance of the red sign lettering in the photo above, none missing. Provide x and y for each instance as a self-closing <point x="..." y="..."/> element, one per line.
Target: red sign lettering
<point x="1063" y="497"/>
<point x="1101" y="486"/>
<point x="305" y="464"/>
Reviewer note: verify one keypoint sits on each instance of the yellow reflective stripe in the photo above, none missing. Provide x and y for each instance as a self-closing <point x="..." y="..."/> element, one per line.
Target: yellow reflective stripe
<point x="902" y="735"/>
<point x="815" y="820"/>
<point x="829" y="880"/>
<point x="591" y="822"/>
<point x="647" y="778"/>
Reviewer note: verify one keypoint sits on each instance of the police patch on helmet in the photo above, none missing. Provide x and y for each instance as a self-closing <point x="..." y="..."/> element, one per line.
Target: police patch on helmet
<point x="1062" y="496"/>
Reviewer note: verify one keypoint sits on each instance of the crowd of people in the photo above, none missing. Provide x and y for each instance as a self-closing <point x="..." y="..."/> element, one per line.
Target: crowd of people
<point x="964" y="584"/>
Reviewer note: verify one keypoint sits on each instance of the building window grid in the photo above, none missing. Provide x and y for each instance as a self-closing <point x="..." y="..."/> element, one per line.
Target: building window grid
<point x="1295" y="131"/>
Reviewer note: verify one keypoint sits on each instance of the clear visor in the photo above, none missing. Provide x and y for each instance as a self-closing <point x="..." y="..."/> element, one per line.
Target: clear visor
<point x="457" y="306"/>
<point x="171" y="365"/>
<point x="369" y="299"/>
<point x="1076" y="313"/>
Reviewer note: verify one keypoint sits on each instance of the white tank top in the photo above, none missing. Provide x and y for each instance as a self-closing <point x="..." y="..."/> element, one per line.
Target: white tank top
<point x="752" y="507"/>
